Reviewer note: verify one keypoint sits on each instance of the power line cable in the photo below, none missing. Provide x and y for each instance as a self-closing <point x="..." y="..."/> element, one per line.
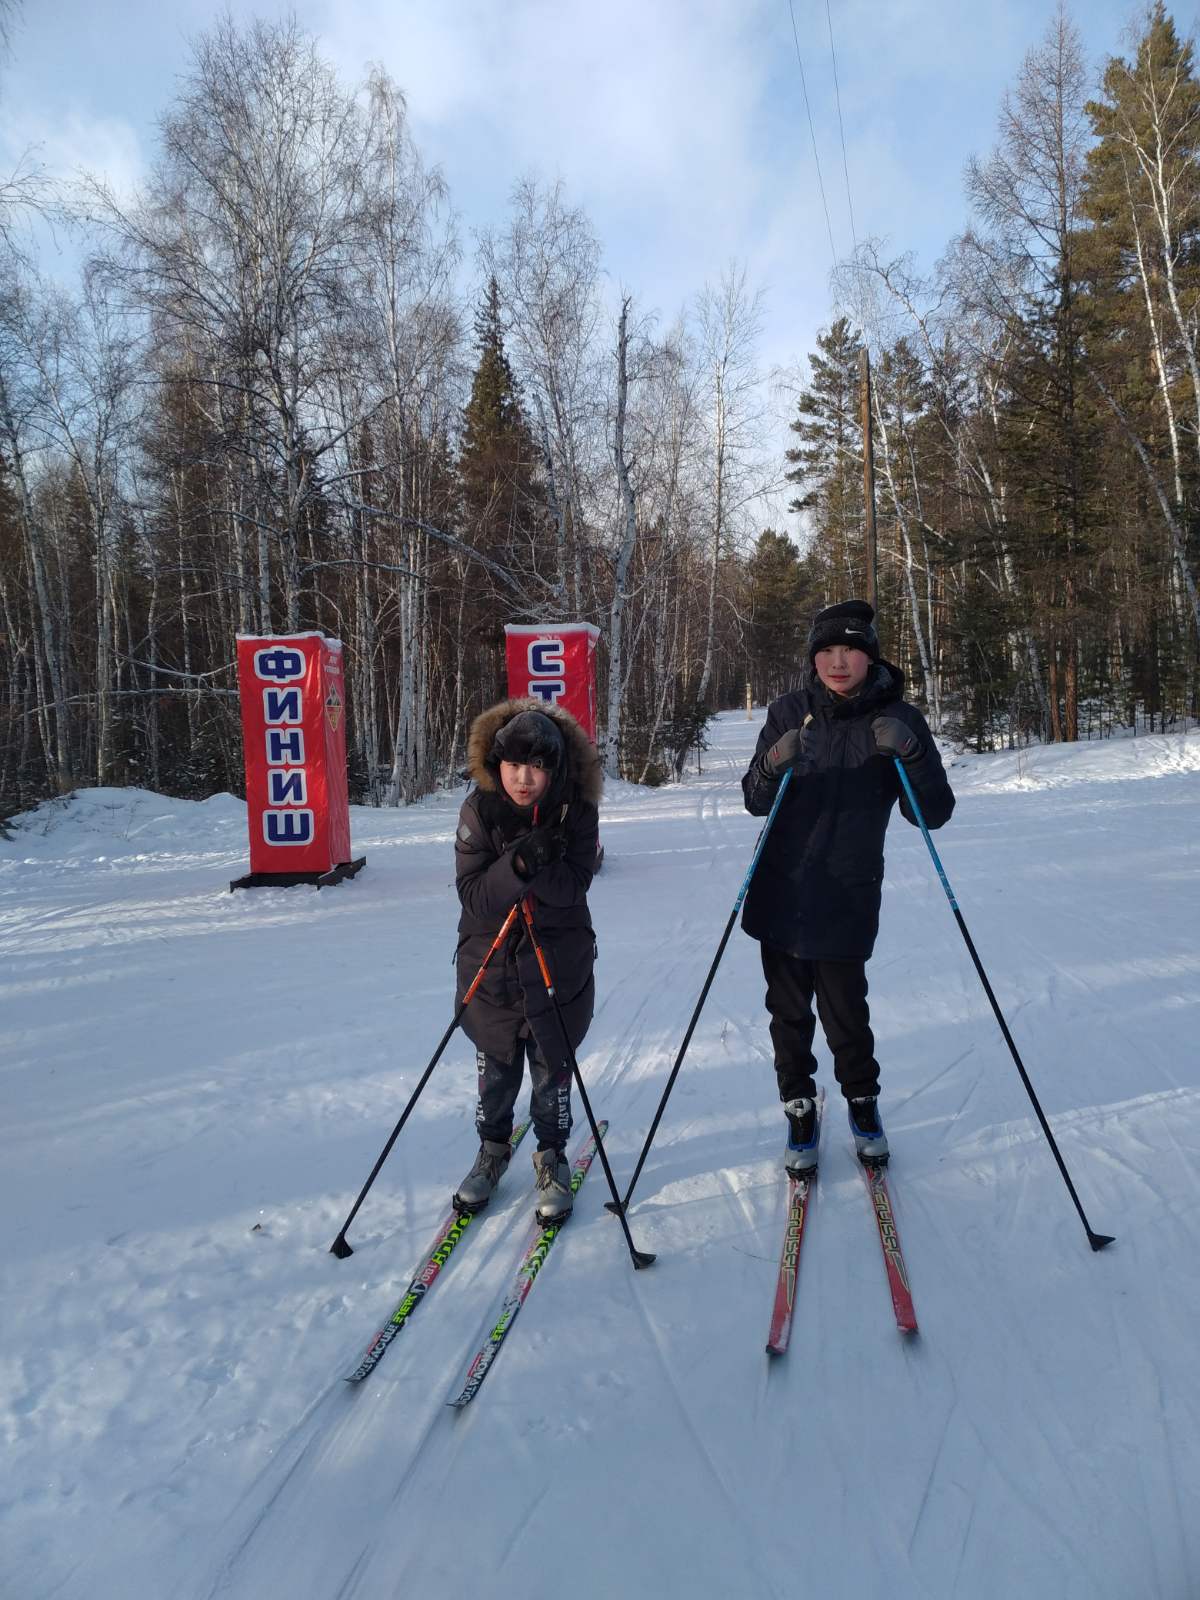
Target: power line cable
<point x="841" y="126"/>
<point x="813" y="135"/>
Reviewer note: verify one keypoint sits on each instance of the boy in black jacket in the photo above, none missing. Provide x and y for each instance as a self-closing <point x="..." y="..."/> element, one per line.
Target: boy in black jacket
<point x="527" y="830"/>
<point x="813" y="902"/>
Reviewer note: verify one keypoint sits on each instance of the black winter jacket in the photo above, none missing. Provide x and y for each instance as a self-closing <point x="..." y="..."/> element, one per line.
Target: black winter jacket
<point x="816" y="890"/>
<point x="512" y="999"/>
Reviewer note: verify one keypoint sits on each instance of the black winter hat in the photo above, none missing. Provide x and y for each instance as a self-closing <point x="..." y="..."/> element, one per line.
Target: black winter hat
<point x="529" y="736"/>
<point x="851" y="623"/>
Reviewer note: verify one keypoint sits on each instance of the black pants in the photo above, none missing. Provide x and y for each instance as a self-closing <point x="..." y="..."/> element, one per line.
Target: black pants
<point x="841" y="993"/>
<point x="549" y="1098"/>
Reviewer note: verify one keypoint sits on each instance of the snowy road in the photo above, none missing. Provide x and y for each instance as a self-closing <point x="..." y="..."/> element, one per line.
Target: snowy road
<point x="196" y="1083"/>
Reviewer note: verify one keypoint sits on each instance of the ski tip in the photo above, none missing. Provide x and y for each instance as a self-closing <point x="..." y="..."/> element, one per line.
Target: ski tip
<point x="1099" y="1240"/>
<point x="774" y="1350"/>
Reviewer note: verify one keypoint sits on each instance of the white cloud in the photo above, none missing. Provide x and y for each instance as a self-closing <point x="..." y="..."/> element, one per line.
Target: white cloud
<point x="648" y="112"/>
<point x="75" y="141"/>
<point x="681" y="126"/>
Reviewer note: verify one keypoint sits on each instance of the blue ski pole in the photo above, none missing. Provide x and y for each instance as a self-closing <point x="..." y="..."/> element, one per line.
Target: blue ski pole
<point x="619" y="1207"/>
<point x="1096" y="1240"/>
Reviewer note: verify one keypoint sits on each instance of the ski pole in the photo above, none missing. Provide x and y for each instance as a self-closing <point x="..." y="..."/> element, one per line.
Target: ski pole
<point x="341" y="1246"/>
<point x="1096" y="1240"/>
<point x="640" y="1258"/>
<point x="619" y="1206"/>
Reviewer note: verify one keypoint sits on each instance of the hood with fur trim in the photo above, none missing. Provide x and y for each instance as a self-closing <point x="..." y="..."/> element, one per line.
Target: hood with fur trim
<point x="581" y="768"/>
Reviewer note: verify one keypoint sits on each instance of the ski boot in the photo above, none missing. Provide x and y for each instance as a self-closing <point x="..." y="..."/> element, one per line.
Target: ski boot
<point x="800" y="1158"/>
<point x="869" y="1138"/>
<point x="553" y="1177"/>
<point x="475" y="1190"/>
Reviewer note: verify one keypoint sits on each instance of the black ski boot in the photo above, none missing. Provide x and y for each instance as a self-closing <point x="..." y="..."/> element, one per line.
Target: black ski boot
<point x="800" y="1158"/>
<point x="869" y="1138"/>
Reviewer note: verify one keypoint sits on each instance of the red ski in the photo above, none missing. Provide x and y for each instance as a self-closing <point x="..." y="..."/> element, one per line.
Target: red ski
<point x="889" y="1239"/>
<point x="799" y="1192"/>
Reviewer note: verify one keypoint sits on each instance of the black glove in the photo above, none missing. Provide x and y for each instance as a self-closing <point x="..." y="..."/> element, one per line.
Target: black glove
<point x="538" y="849"/>
<point x="896" y="738"/>
<point x="788" y="751"/>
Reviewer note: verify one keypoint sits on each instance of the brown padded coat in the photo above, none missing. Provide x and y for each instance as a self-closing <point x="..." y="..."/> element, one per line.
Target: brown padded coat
<point x="512" y="999"/>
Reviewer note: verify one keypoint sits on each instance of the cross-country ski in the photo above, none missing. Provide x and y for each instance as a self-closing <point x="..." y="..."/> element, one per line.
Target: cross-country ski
<point x="889" y="1244"/>
<point x="446" y="1241"/>
<point x="533" y="1259"/>
<point x="799" y="1192"/>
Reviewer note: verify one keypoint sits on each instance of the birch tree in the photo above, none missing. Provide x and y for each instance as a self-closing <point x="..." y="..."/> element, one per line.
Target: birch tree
<point x="241" y="247"/>
<point x="1143" y="198"/>
<point x="546" y="262"/>
<point x="1027" y="194"/>
<point x="730" y="320"/>
<point x="626" y="543"/>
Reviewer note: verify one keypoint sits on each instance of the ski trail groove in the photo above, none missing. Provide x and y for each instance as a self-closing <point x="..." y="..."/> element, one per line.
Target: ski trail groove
<point x="735" y="1510"/>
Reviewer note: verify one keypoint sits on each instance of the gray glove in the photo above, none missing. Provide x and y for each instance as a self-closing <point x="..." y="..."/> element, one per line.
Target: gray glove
<point x="896" y="738"/>
<point x="788" y="751"/>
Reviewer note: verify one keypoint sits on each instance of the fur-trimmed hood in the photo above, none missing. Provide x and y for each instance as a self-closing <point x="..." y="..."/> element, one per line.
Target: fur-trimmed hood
<point x="581" y="769"/>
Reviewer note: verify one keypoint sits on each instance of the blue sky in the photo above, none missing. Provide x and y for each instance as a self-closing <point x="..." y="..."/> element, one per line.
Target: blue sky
<point x="679" y="125"/>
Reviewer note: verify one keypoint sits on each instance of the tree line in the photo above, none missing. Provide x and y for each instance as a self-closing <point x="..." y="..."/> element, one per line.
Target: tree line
<point x="1035" y="411"/>
<point x="266" y="407"/>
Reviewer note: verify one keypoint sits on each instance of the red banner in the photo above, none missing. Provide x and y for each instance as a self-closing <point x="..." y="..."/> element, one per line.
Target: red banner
<point x="555" y="662"/>
<point x="294" y="735"/>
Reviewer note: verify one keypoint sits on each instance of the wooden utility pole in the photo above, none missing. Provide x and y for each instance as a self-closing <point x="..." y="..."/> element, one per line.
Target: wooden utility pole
<point x="864" y="387"/>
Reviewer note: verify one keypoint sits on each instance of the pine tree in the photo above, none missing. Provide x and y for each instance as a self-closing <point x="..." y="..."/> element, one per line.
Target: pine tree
<point x="502" y="503"/>
<point x="827" y="463"/>
<point x="783" y="593"/>
<point x="498" y="461"/>
<point x="1142" y="260"/>
<point x="1027" y="194"/>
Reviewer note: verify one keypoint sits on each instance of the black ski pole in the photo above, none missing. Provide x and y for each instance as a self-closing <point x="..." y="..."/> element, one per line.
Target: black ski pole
<point x="341" y="1245"/>
<point x="620" y="1206"/>
<point x="1096" y="1240"/>
<point x="640" y="1258"/>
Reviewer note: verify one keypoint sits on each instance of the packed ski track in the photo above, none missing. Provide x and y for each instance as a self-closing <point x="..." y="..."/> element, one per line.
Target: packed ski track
<point x="197" y="1082"/>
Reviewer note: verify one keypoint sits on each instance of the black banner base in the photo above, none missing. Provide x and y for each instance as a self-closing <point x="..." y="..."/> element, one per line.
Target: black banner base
<point x="288" y="880"/>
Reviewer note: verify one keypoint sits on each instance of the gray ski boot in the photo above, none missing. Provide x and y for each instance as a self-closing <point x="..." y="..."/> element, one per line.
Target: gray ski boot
<point x="553" y="1186"/>
<point x="869" y="1138"/>
<point x="475" y="1190"/>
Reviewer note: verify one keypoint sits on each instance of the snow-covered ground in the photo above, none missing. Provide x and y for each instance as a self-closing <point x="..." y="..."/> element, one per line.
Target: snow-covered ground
<point x="196" y="1083"/>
